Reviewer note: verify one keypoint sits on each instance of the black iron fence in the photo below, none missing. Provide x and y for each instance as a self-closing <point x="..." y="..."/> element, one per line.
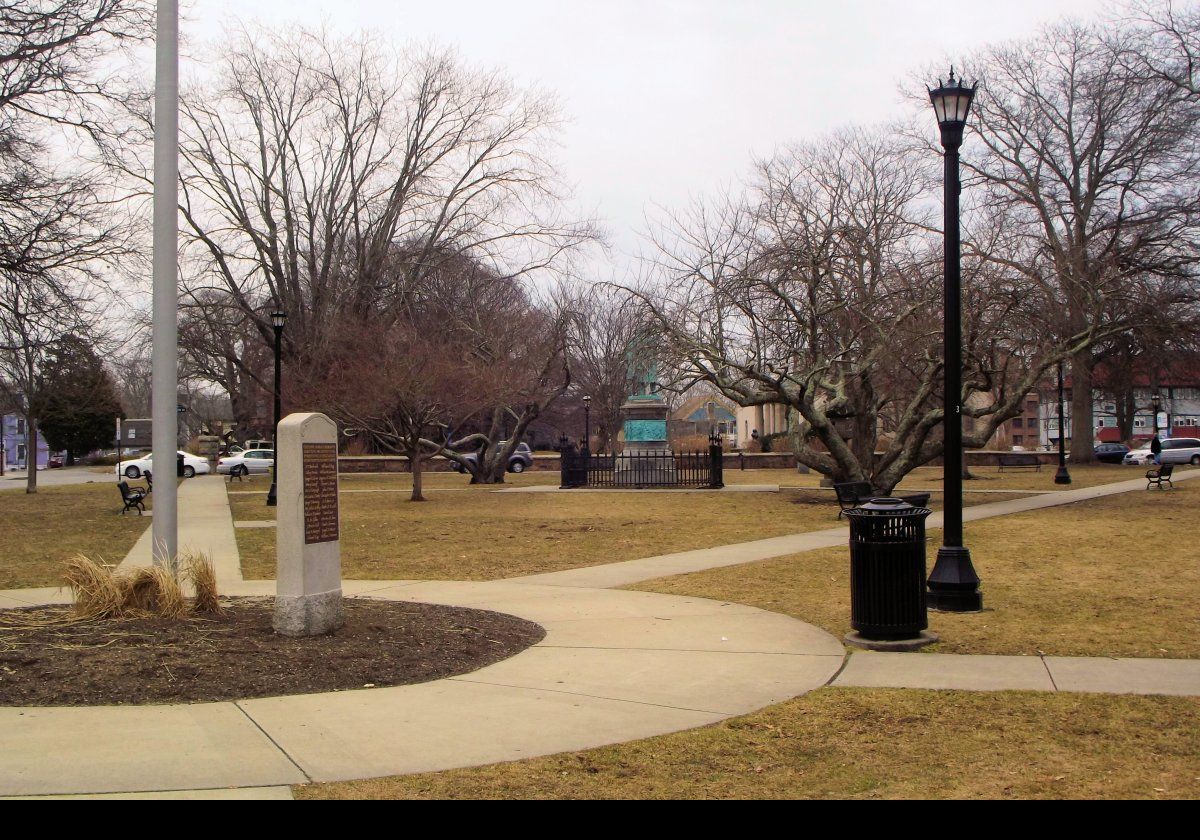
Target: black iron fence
<point x="635" y="470"/>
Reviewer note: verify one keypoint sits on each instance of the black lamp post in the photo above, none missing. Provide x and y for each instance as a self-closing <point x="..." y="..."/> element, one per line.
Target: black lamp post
<point x="953" y="583"/>
<point x="1062" y="476"/>
<point x="1156" y="406"/>
<point x="587" y="425"/>
<point x="278" y="319"/>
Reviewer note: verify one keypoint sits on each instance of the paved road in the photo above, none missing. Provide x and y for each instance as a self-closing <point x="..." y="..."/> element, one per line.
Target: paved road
<point x="15" y="479"/>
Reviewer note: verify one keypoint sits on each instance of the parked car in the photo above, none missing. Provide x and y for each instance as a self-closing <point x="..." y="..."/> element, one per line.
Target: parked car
<point x="250" y="462"/>
<point x="1139" y="457"/>
<point x="1111" y="453"/>
<point x="258" y="444"/>
<point x="521" y="460"/>
<point x="1181" y="451"/>
<point x="193" y="465"/>
<point x="55" y="462"/>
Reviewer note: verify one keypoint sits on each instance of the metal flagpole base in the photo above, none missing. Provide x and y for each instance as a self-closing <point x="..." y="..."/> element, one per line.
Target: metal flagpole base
<point x="953" y="583"/>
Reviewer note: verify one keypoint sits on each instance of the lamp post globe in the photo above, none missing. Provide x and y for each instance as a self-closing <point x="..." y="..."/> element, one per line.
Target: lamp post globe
<point x="278" y="319"/>
<point x="953" y="583"/>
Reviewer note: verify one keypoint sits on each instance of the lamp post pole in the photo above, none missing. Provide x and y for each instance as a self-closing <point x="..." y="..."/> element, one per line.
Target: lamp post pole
<point x="1062" y="476"/>
<point x="587" y="425"/>
<point x="953" y="583"/>
<point x="1156" y="406"/>
<point x="278" y="319"/>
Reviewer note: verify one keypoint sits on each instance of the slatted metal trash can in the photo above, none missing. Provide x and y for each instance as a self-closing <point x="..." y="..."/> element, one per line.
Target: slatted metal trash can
<point x="887" y="570"/>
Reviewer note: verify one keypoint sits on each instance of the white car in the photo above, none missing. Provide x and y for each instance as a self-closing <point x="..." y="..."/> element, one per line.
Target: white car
<point x="251" y="462"/>
<point x="193" y="465"/>
<point x="1139" y="457"/>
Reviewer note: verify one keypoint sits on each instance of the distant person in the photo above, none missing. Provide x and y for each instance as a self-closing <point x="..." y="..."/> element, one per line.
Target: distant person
<point x="1156" y="449"/>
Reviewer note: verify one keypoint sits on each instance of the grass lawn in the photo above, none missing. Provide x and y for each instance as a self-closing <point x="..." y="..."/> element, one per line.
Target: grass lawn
<point x="473" y="535"/>
<point x="857" y="743"/>
<point x="1117" y="576"/>
<point x="43" y="530"/>
<point x="930" y="478"/>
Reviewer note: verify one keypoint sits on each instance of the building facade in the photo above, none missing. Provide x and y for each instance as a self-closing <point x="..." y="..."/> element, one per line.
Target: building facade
<point x="14" y="435"/>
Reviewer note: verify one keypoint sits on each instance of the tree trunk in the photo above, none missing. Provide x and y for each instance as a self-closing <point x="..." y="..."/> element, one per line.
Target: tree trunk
<point x="1082" y="450"/>
<point x="414" y="458"/>
<point x="31" y="459"/>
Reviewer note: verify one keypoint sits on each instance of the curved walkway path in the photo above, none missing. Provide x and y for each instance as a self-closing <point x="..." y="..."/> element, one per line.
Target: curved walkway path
<point x="615" y="666"/>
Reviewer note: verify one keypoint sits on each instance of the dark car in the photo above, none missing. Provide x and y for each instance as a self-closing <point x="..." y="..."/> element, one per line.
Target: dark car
<point x="1111" y="453"/>
<point x="521" y="460"/>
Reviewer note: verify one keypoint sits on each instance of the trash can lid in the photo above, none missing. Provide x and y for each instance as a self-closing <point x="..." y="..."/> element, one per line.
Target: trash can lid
<point x="887" y="506"/>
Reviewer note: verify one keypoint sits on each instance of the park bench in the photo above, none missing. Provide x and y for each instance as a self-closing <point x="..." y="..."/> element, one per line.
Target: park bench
<point x="1156" y="477"/>
<point x="134" y="498"/>
<point x="1020" y="460"/>
<point x="851" y="494"/>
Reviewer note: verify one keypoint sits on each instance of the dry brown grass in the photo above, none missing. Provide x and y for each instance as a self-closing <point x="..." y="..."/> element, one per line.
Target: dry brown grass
<point x="41" y="532"/>
<point x="481" y="535"/>
<point x="198" y="570"/>
<point x="864" y="744"/>
<point x="930" y="478"/>
<point x="1117" y="576"/>
<point x="151" y="591"/>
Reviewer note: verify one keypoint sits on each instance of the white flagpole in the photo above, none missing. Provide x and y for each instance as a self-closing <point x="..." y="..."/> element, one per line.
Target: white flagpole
<point x="166" y="232"/>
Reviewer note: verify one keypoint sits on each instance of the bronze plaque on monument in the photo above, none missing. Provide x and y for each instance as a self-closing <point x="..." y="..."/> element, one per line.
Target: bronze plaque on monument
<point x="320" y="493"/>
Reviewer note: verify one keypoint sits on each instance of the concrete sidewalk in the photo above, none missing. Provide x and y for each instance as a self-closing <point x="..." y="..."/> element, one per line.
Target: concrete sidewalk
<point x="205" y="526"/>
<point x="1085" y="675"/>
<point x="614" y="667"/>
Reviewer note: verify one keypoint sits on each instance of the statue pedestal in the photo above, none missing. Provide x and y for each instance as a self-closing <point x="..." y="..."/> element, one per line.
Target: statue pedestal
<point x="647" y="459"/>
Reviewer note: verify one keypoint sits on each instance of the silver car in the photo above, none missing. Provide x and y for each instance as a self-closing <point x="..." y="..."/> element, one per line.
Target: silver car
<point x="1181" y="451"/>
<point x="251" y="462"/>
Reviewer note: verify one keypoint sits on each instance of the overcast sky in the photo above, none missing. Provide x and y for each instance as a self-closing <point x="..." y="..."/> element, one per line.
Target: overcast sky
<point x="671" y="98"/>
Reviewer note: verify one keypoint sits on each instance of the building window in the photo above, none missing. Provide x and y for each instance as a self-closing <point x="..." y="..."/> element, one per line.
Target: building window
<point x="1139" y="423"/>
<point x="1018" y="440"/>
<point x="1100" y="423"/>
<point x="20" y="425"/>
<point x="1018" y="423"/>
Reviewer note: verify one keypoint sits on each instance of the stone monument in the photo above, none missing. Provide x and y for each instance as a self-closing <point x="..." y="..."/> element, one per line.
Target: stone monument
<point x="308" y="593"/>
<point x="647" y="458"/>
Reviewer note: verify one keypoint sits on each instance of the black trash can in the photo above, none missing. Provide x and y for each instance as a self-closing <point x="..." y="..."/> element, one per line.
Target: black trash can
<point x="179" y="464"/>
<point x="887" y="570"/>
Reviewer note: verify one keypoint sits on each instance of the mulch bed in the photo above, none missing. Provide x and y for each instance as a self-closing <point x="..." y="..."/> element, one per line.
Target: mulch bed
<point x="237" y="655"/>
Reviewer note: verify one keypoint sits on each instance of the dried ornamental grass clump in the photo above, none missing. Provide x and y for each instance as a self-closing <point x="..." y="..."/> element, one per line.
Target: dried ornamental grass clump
<point x="151" y="591"/>
<point x="101" y="592"/>
<point x="94" y="587"/>
<point x="199" y="571"/>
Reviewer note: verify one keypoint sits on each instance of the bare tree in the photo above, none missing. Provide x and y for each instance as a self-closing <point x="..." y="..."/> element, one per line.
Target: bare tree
<point x="330" y="177"/>
<point x="1093" y="165"/>
<point x="53" y="246"/>
<point x="56" y="234"/>
<point x="604" y="329"/>
<point x="819" y="290"/>
<point x="51" y="57"/>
